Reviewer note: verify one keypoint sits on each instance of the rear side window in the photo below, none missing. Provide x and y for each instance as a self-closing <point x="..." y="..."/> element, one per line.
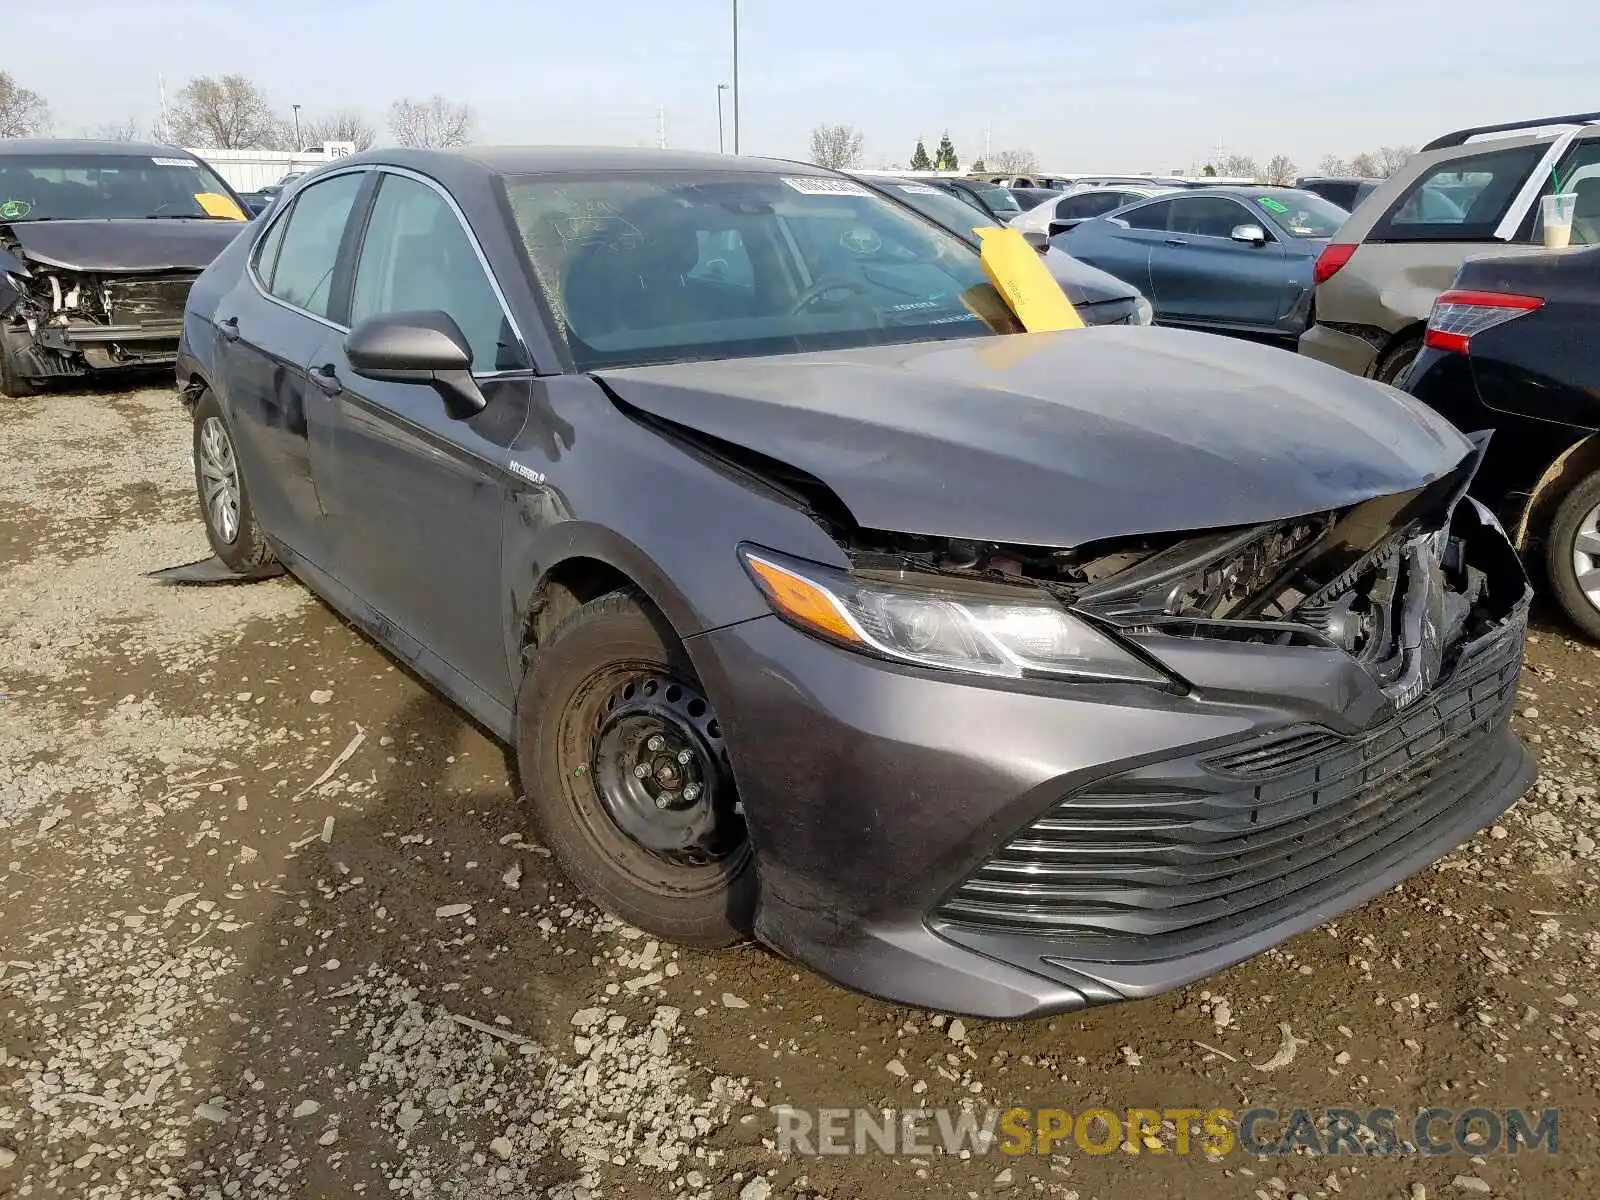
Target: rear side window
<point x="309" y="251"/>
<point x="1463" y="200"/>
<point x="1149" y="216"/>
<point x="1083" y="207"/>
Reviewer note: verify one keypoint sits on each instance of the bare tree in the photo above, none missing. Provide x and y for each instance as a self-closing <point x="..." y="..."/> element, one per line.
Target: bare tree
<point x="1012" y="162"/>
<point x="1366" y="165"/>
<point x="226" y="112"/>
<point x="1332" y="164"/>
<point x="1238" y="166"/>
<point x="1281" y="170"/>
<point x="1392" y="158"/>
<point x="119" y="131"/>
<point x="836" y="146"/>
<point x="346" y="125"/>
<point x="23" y="113"/>
<point x="434" y="122"/>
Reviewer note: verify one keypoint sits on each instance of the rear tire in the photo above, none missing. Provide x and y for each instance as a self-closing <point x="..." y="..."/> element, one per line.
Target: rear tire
<point x="224" y="498"/>
<point x="1394" y="365"/>
<point x="607" y="671"/>
<point x="13" y="386"/>
<point x="1572" y="555"/>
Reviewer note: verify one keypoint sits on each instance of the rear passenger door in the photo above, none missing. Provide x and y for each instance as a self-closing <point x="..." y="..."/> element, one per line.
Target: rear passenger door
<point x="269" y="327"/>
<point x="415" y="496"/>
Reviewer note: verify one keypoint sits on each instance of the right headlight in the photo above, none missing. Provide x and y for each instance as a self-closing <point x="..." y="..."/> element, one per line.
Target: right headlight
<point x="986" y="630"/>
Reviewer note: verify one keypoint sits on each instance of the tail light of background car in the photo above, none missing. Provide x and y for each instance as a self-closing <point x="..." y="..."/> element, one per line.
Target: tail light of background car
<point x="1332" y="259"/>
<point x="1457" y="316"/>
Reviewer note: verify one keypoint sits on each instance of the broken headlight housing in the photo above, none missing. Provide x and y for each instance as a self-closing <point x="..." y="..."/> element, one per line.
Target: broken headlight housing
<point x="999" y="630"/>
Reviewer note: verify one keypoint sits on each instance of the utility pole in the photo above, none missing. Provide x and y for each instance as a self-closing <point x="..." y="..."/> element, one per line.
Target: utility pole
<point x="721" y="87"/>
<point x="297" y="146"/>
<point x="988" y="144"/>
<point x="736" y="76"/>
<point x="661" y="126"/>
<point x="166" y="125"/>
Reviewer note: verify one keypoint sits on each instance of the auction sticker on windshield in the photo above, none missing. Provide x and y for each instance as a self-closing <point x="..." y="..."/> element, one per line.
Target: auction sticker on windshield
<point x="918" y="189"/>
<point x="813" y="185"/>
<point x="1271" y="205"/>
<point x="15" y="210"/>
<point x="174" y="162"/>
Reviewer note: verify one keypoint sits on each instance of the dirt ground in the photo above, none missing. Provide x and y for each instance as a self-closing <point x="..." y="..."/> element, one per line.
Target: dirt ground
<point x="270" y="926"/>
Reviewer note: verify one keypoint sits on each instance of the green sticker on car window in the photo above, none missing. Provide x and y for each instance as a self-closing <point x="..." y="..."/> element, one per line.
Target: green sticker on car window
<point x="15" y="210"/>
<point x="1271" y="205"/>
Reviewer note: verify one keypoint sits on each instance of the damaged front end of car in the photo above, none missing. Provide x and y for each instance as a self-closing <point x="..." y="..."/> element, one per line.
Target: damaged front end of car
<point x="61" y="322"/>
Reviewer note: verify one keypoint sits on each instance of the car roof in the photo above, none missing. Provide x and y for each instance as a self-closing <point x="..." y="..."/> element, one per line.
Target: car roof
<point x="19" y="146"/>
<point x="538" y="160"/>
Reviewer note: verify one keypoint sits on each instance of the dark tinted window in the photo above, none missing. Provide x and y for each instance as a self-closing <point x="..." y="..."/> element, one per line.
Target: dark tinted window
<point x="310" y="249"/>
<point x="1086" y="205"/>
<point x="417" y="257"/>
<point x="1207" y="216"/>
<point x="1149" y="216"/>
<point x="1460" y="200"/>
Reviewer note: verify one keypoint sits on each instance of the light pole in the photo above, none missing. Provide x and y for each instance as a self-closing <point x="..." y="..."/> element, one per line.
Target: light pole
<point x="721" y="87"/>
<point x="736" y="76"/>
<point x="297" y="146"/>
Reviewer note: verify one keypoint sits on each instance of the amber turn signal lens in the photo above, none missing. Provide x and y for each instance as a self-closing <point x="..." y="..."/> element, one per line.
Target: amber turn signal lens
<point x="802" y="601"/>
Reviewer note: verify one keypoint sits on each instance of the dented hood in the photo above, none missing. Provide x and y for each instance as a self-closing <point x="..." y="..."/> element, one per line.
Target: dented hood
<point x="1064" y="438"/>
<point x="113" y="246"/>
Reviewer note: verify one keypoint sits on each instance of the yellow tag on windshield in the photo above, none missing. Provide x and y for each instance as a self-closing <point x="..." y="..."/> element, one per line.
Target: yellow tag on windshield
<point x="217" y="205"/>
<point x="1018" y="273"/>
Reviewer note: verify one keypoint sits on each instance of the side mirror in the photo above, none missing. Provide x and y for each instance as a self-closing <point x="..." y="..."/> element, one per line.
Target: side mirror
<point x="417" y="347"/>
<point x="1037" y="238"/>
<point x="1253" y="234"/>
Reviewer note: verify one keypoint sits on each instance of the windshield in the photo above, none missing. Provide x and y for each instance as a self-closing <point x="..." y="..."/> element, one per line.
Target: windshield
<point x="938" y="205"/>
<point x="668" y="266"/>
<point x="76" y="187"/>
<point x="1303" y="214"/>
<point x="998" y="199"/>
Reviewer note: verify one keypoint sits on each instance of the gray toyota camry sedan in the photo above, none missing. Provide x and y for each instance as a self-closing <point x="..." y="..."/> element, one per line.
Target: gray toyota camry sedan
<point x="990" y="671"/>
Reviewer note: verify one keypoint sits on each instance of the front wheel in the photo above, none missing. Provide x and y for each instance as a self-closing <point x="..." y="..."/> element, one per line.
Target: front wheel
<point x="628" y="778"/>
<point x="224" y="500"/>
<point x="1572" y="555"/>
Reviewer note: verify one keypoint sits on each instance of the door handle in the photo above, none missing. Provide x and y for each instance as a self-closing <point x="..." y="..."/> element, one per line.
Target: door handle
<point x="1177" y="241"/>
<point x="327" y="379"/>
<point x="229" y="329"/>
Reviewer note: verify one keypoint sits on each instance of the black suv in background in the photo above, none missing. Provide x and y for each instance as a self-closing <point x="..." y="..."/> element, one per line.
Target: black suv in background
<point x="1511" y="347"/>
<point x="1347" y="191"/>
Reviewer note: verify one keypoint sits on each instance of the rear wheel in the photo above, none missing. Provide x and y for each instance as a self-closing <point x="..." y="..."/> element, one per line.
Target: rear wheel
<point x="12" y="384"/>
<point x="1393" y="367"/>
<point x="629" y="782"/>
<point x="224" y="500"/>
<point x="1572" y="555"/>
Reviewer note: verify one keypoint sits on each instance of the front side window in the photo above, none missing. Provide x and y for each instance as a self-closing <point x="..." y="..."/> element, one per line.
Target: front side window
<point x="416" y="257"/>
<point x="309" y="251"/>
<point x="1207" y="216"/>
<point x="1461" y="200"/>
<point x="110" y="187"/>
<point x="621" y="260"/>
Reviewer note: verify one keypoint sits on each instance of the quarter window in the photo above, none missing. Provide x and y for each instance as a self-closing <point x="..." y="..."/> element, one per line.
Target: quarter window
<point x="267" y="252"/>
<point x="416" y="257"/>
<point x="1462" y="200"/>
<point x="303" y="273"/>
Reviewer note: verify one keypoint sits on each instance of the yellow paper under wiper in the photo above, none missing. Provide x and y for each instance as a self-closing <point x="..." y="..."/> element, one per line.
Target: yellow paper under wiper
<point x="217" y="205"/>
<point x="1024" y="282"/>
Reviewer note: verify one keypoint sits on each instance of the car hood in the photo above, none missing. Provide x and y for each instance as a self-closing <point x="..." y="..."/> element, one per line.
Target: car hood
<point x="1084" y="284"/>
<point x="111" y="246"/>
<point x="1060" y="439"/>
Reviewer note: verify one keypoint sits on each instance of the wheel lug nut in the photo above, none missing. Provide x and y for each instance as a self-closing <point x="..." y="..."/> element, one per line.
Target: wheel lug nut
<point x="664" y="800"/>
<point x="642" y="770"/>
<point x="683" y="757"/>
<point x="691" y="792"/>
<point x="656" y="742"/>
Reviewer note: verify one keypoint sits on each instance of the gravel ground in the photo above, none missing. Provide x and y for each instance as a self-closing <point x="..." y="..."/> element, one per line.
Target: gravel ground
<point x="269" y="926"/>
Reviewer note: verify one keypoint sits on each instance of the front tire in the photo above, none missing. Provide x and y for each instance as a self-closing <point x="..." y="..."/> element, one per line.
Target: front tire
<point x="1572" y="555"/>
<point x="230" y="522"/>
<point x="628" y="778"/>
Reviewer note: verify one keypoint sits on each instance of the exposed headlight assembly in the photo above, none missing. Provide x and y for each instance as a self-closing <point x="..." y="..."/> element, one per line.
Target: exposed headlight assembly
<point x="985" y="630"/>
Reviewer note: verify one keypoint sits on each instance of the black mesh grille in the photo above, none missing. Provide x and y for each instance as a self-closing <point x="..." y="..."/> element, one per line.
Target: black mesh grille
<point x="1177" y="848"/>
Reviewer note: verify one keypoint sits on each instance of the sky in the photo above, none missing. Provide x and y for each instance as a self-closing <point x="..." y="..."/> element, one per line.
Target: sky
<point x="1125" y="86"/>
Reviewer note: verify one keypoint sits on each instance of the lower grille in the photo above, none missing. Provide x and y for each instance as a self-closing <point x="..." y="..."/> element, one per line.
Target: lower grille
<point x="1179" y="852"/>
<point x="134" y="301"/>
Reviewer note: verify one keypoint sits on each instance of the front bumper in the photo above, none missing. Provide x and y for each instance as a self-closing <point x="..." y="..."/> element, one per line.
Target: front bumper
<point x="1339" y="349"/>
<point x="877" y="794"/>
